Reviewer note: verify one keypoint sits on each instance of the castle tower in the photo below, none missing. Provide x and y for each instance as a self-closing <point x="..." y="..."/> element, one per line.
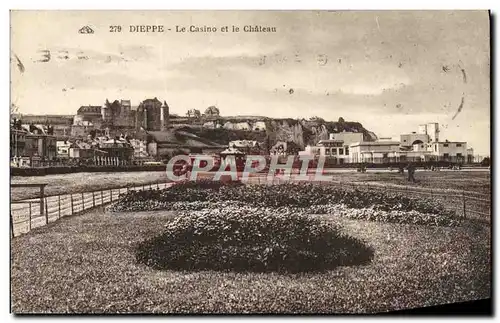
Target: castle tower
<point x="165" y="116"/>
<point x="105" y="111"/>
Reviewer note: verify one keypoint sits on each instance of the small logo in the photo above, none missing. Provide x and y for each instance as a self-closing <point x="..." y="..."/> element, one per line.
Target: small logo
<point x="86" y="30"/>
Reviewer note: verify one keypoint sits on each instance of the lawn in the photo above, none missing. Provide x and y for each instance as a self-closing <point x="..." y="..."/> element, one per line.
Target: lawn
<point x="86" y="264"/>
<point x="476" y="181"/>
<point x="82" y="182"/>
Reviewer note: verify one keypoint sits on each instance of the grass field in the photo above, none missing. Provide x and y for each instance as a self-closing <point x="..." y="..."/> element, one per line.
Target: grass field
<point x="86" y="264"/>
<point x="477" y="181"/>
<point x="81" y="182"/>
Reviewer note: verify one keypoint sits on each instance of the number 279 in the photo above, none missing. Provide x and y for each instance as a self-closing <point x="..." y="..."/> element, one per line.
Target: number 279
<point x="115" y="29"/>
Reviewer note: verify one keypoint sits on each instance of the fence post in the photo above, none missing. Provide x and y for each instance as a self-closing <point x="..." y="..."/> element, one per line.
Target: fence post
<point x="111" y="194"/>
<point x="11" y="225"/>
<point x="72" y="211"/>
<point x="463" y="195"/>
<point x="158" y="186"/>
<point x="46" y="212"/>
<point x="83" y="202"/>
<point x="42" y="195"/>
<point x="59" y="205"/>
<point x="102" y="199"/>
<point x="93" y="199"/>
<point x="29" y="223"/>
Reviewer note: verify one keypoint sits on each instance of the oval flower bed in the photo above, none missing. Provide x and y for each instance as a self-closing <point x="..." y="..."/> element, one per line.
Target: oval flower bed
<point x="251" y="239"/>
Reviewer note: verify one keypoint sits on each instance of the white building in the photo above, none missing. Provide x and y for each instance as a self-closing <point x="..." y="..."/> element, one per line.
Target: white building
<point x="336" y="148"/>
<point x="454" y="151"/>
<point x="332" y="149"/>
<point x="348" y="147"/>
<point x="430" y="129"/>
<point x="375" y="152"/>
<point x="140" y="148"/>
<point x="409" y="140"/>
<point x="80" y="150"/>
<point x="426" y="133"/>
<point x="347" y="137"/>
<point x="63" y="148"/>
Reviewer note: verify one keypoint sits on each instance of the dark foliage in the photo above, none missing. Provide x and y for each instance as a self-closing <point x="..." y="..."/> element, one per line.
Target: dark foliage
<point x="302" y="195"/>
<point x="251" y="239"/>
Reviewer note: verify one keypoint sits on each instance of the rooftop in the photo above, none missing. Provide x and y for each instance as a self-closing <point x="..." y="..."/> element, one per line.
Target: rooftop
<point x="375" y="143"/>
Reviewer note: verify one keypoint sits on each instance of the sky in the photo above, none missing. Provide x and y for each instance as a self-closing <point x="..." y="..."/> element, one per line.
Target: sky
<point x="389" y="70"/>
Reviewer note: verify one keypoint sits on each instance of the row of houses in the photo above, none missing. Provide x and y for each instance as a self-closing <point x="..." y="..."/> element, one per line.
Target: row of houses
<point x="102" y="150"/>
<point x="424" y="145"/>
<point x="34" y="146"/>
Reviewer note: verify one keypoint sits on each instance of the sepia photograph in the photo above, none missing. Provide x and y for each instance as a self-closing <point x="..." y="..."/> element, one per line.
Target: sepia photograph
<point x="250" y="162"/>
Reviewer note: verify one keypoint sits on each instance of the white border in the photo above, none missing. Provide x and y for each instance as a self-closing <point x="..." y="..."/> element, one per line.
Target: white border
<point x="213" y="4"/>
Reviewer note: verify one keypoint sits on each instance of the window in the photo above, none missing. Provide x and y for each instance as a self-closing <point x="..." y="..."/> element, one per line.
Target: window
<point x="404" y="140"/>
<point x="459" y="155"/>
<point x="446" y="156"/>
<point x="435" y="148"/>
<point x="459" y="145"/>
<point x="347" y="150"/>
<point x="334" y="152"/>
<point x="445" y="145"/>
<point x="341" y="151"/>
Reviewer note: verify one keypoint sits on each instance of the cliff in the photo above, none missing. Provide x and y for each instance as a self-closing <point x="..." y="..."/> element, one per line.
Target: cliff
<point x="270" y="131"/>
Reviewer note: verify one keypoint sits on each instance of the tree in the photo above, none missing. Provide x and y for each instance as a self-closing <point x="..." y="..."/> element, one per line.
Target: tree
<point x="212" y="111"/>
<point x="14" y="109"/>
<point x="317" y="119"/>
<point x="341" y="120"/>
<point x="268" y="144"/>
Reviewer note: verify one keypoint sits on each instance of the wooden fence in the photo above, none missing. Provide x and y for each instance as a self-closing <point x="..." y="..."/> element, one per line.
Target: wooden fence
<point x="28" y="214"/>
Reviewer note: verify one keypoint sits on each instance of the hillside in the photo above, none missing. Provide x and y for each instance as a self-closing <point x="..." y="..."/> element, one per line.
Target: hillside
<point x="222" y="129"/>
<point x="302" y="132"/>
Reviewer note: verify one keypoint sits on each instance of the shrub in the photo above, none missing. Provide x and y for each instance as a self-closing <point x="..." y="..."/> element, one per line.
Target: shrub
<point x="243" y="238"/>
